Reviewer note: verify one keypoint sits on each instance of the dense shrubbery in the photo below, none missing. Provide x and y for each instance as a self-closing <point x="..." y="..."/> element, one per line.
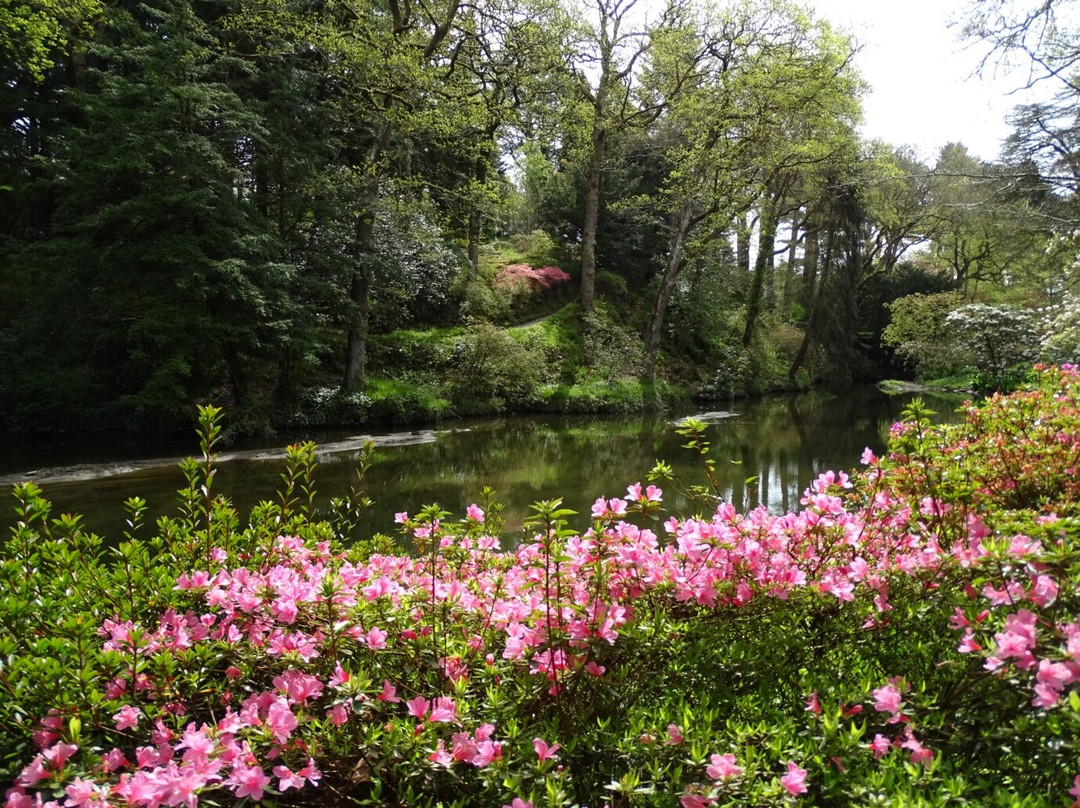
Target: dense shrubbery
<point x="910" y="637"/>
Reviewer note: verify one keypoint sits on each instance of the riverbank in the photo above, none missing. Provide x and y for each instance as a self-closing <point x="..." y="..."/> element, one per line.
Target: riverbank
<point x="563" y="362"/>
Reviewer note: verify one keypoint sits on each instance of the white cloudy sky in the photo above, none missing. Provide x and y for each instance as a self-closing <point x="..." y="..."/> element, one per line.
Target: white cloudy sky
<point x="923" y="92"/>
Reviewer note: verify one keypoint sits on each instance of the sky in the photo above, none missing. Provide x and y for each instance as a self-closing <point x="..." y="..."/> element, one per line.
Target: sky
<point x="923" y="89"/>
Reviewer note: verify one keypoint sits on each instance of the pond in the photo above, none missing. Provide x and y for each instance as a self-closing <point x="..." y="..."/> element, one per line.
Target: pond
<point x="767" y="451"/>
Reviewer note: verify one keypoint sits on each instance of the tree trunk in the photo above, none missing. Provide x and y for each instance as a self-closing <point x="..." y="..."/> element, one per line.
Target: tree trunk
<point x="676" y="261"/>
<point x="476" y="214"/>
<point x="360" y="292"/>
<point x="237" y="375"/>
<point x="810" y="265"/>
<point x="814" y="303"/>
<point x="787" y="290"/>
<point x="364" y="252"/>
<point x="743" y="231"/>
<point x="592" y="215"/>
<point x="356" y="338"/>
<point x="762" y="264"/>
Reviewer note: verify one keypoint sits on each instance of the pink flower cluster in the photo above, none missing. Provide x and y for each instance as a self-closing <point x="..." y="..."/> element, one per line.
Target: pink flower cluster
<point x="1024" y="639"/>
<point x="518" y="277"/>
<point x="476" y="748"/>
<point x="550" y="609"/>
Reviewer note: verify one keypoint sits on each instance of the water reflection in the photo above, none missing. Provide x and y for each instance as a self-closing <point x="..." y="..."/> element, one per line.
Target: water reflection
<point x="767" y="454"/>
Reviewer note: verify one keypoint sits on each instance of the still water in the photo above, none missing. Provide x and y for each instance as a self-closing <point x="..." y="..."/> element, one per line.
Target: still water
<point x="767" y="451"/>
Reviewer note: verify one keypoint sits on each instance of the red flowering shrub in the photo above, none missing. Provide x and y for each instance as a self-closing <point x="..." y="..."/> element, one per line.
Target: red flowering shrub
<point x="910" y="636"/>
<point x="522" y="277"/>
<point x="523" y="283"/>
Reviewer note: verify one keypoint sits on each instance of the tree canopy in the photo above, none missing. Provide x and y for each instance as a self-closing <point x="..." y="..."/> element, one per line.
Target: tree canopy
<point x="237" y="201"/>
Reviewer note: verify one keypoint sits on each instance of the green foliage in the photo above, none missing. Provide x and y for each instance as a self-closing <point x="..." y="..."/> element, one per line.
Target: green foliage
<point x="410" y="398"/>
<point x="919" y="334"/>
<point x="331" y="406"/>
<point x="677" y="648"/>
<point x="417" y="267"/>
<point x="915" y="276"/>
<point x="33" y="36"/>
<point x="537" y="248"/>
<point x="1061" y="330"/>
<point x="594" y="394"/>
<point x="206" y="201"/>
<point x="733" y="369"/>
<point x="610" y="351"/>
<point x="496" y="369"/>
<point x="479" y="300"/>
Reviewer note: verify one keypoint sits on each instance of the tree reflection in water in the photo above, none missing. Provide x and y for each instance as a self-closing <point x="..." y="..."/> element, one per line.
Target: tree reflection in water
<point x="767" y="454"/>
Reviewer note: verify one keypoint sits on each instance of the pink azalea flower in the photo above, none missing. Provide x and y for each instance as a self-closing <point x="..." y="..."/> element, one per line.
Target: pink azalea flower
<point x="794" y="782"/>
<point x="128" y="717"/>
<point x="543" y="751"/>
<point x="81" y="794"/>
<point x="34" y="773"/>
<point x="339" y="677"/>
<point x="674" y="735"/>
<point x="444" y="710"/>
<point x="722" y="767"/>
<point x="441" y="756"/>
<point x="486" y="752"/>
<point x="519" y="803"/>
<point x="475" y="513"/>
<point x="880" y="745"/>
<point x="887" y="699"/>
<point x="280" y="720"/>
<point x="694" y="801"/>
<point x="248" y="781"/>
<point x="114" y="759"/>
<point x="58" y="755"/>
<point x="338" y="714"/>
<point x="197" y="744"/>
<point x="418" y="706"/>
<point x="919" y="754"/>
<point x="375" y="638"/>
<point x="18" y="798"/>
<point x="389" y="693"/>
<point x="311" y="772"/>
<point x="287" y="779"/>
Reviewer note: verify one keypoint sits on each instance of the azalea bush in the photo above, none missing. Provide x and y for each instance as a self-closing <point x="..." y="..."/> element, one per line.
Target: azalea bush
<point x="910" y="636"/>
<point x="524" y="284"/>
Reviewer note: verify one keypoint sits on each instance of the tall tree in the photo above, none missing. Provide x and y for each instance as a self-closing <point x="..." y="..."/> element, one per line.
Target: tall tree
<point x="616" y="45"/>
<point x="776" y="91"/>
<point x="175" y="290"/>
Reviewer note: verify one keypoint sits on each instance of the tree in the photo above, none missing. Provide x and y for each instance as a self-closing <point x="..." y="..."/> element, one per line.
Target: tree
<point x="917" y="331"/>
<point x="775" y="95"/>
<point x="980" y="231"/>
<point x="1037" y="34"/>
<point x="996" y="338"/>
<point x="150" y="279"/>
<point x="33" y="36"/>
<point x="614" y="54"/>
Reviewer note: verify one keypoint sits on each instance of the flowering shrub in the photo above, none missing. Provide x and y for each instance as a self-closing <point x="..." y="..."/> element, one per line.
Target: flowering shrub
<point x="910" y="636"/>
<point x="515" y="277"/>
<point x="522" y="282"/>
<point x="1000" y="341"/>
